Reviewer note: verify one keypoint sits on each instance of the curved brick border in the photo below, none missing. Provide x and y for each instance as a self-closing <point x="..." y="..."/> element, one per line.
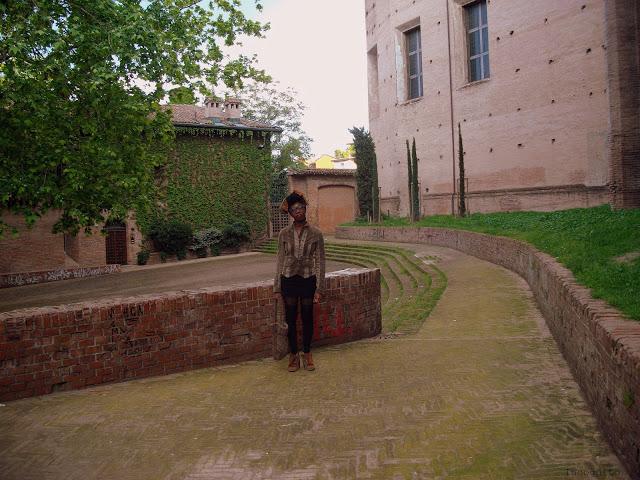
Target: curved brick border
<point x="601" y="346"/>
<point x="28" y="278"/>
<point x="43" y="350"/>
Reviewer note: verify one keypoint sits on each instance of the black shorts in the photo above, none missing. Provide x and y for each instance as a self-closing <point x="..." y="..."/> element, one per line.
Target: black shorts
<point x="298" y="286"/>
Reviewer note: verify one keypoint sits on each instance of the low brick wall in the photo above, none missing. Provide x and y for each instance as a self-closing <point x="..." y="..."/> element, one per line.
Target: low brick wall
<point x="601" y="346"/>
<point x="43" y="350"/>
<point x="28" y="278"/>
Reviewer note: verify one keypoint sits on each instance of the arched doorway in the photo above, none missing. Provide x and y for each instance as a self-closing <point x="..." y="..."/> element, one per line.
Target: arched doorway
<point x="116" y="243"/>
<point x="336" y="205"/>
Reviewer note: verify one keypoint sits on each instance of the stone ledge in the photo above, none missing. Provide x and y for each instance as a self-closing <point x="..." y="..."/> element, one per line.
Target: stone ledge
<point x="8" y="280"/>
<point x="601" y="346"/>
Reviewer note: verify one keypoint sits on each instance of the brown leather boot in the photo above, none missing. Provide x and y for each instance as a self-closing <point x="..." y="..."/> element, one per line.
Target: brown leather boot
<point x="307" y="361"/>
<point x="294" y="362"/>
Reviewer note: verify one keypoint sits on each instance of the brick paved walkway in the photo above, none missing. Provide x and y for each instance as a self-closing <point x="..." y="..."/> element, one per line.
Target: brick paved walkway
<point x="481" y="392"/>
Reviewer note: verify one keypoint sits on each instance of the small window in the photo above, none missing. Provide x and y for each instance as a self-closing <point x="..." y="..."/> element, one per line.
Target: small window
<point x="414" y="63"/>
<point x="478" y="40"/>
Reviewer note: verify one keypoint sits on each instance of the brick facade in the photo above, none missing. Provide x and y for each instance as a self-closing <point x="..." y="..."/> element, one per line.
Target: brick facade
<point x="35" y="248"/>
<point x="601" y="347"/>
<point x="43" y="350"/>
<point x="87" y="249"/>
<point x="332" y="196"/>
<point x="538" y="122"/>
<point x="623" y="64"/>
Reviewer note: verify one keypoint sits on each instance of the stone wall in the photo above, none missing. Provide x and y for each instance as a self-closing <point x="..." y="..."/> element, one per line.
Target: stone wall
<point x="29" y="278"/>
<point x="44" y="350"/>
<point x="601" y="347"/>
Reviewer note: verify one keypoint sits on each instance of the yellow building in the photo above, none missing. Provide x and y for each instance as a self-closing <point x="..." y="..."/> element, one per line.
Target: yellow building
<point x="327" y="161"/>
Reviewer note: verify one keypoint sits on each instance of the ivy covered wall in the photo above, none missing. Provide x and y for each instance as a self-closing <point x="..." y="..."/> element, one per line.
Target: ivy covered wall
<point x="213" y="178"/>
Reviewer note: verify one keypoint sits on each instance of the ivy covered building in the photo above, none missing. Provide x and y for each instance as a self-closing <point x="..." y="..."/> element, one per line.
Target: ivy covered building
<point x="217" y="171"/>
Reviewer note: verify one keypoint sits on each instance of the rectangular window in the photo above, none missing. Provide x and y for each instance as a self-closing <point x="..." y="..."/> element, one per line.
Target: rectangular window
<point x="478" y="40"/>
<point x="372" y="72"/>
<point x="413" y="46"/>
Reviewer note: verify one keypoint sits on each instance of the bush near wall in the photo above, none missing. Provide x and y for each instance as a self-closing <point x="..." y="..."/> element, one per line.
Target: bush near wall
<point x="212" y="179"/>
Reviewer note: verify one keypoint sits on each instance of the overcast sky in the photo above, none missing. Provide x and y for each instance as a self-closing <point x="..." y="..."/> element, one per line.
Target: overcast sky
<point x="318" y="47"/>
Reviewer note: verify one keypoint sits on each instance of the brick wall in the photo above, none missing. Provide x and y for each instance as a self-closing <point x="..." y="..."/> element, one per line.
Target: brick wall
<point x="43" y="350"/>
<point x="623" y="66"/>
<point x="601" y="347"/>
<point x="33" y="249"/>
<point x="88" y="250"/>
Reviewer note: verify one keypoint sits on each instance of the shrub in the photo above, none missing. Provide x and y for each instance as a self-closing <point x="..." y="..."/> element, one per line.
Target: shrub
<point x="235" y="234"/>
<point x="143" y="257"/>
<point x="170" y="236"/>
<point x="205" y="239"/>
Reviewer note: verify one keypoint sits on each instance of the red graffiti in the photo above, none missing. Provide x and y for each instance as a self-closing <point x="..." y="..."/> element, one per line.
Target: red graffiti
<point x="322" y="327"/>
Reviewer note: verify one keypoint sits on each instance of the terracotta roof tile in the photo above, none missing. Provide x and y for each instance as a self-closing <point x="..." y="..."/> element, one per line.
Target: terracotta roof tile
<point x="195" y="115"/>
<point x="324" y="172"/>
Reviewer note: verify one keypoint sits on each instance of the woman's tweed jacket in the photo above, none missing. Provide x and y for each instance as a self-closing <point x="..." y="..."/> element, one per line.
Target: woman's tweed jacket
<point x="302" y="255"/>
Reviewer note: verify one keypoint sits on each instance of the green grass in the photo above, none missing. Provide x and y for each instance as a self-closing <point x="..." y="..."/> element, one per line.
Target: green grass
<point x="586" y="240"/>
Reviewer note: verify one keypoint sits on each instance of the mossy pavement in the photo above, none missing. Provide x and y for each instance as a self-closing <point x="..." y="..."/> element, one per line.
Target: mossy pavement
<point x="479" y="391"/>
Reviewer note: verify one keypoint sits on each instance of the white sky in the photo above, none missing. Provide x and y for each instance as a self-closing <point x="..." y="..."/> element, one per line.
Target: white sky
<point x="317" y="47"/>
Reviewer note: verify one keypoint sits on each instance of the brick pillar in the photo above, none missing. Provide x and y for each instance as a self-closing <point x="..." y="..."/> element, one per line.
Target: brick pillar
<point x="623" y="40"/>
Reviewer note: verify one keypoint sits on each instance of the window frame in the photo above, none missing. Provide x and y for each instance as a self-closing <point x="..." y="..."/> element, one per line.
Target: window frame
<point x="483" y="49"/>
<point x="408" y="54"/>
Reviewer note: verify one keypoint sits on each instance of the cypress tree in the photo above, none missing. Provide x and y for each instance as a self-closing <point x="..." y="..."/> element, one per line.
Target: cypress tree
<point x="415" y="194"/>
<point x="462" y="207"/>
<point x="409" y="181"/>
<point x="367" y="173"/>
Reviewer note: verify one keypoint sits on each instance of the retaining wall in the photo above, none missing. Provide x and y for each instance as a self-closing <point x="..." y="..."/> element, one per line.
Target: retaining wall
<point x="43" y="350"/>
<point x="29" y="278"/>
<point x="601" y="346"/>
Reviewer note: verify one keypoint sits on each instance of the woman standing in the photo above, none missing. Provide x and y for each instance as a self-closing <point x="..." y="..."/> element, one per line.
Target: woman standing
<point x="299" y="276"/>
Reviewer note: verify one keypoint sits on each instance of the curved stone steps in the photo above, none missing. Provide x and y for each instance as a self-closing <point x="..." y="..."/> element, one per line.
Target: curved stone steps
<point x="410" y="287"/>
<point x="388" y="271"/>
<point x="388" y="283"/>
<point x="412" y="277"/>
<point x="405" y="282"/>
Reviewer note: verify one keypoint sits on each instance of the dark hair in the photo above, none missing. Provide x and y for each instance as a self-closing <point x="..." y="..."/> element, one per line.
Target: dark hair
<point x="295" y="198"/>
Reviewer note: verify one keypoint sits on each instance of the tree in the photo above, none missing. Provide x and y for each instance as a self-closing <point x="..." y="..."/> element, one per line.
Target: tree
<point x="462" y="206"/>
<point x="277" y="106"/>
<point x="415" y="193"/>
<point x="80" y="86"/>
<point x="409" y="180"/>
<point x="182" y="95"/>
<point x="349" y="152"/>
<point x="367" y="173"/>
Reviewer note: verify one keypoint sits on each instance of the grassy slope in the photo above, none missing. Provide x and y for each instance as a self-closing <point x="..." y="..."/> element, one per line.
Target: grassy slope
<point x="585" y="240"/>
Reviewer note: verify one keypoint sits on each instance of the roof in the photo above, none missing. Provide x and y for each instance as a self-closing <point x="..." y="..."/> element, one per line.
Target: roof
<point x="324" y="172"/>
<point x="194" y="116"/>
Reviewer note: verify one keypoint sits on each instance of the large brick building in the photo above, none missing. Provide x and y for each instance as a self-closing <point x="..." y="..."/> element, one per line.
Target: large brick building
<point x="546" y="93"/>
<point x="38" y="249"/>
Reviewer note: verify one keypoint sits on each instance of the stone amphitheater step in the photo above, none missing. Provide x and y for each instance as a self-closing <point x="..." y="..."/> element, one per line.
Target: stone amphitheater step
<point x="410" y="288"/>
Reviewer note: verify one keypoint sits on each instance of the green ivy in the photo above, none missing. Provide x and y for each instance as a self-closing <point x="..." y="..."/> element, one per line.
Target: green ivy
<point x="212" y="178"/>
